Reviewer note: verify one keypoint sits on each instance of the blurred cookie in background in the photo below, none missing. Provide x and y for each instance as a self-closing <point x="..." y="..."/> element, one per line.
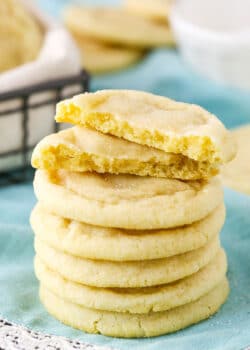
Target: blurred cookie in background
<point x="117" y="26"/>
<point x="157" y="10"/>
<point x="236" y="174"/>
<point x="21" y="36"/>
<point x="98" y="57"/>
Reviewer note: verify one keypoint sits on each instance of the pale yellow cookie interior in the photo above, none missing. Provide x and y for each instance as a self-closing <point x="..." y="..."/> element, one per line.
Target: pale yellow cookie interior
<point x="135" y="325"/>
<point x="236" y="174"/>
<point x="81" y="149"/>
<point x="95" y="242"/>
<point x="135" y="300"/>
<point x="126" y="201"/>
<point x="152" y="120"/>
<point x="126" y="274"/>
<point x="20" y="35"/>
<point x="117" y="26"/>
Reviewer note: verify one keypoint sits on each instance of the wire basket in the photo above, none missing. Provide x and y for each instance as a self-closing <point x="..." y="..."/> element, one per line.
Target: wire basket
<point x="20" y="104"/>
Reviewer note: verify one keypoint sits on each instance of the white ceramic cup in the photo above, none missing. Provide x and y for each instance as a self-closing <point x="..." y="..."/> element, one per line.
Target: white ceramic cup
<point x="214" y="37"/>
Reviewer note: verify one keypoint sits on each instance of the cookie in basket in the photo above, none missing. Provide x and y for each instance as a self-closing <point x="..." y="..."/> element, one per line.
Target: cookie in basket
<point x="21" y="36"/>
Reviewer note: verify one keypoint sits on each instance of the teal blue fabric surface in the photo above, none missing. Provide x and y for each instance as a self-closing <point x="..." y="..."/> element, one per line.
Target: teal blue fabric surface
<point x="161" y="72"/>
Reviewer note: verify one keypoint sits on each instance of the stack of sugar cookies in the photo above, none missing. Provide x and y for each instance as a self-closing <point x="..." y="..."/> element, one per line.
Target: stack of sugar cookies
<point x="111" y="38"/>
<point x="129" y="214"/>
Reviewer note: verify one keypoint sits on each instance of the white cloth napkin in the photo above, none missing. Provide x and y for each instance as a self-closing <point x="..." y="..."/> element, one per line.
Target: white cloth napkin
<point x="58" y="58"/>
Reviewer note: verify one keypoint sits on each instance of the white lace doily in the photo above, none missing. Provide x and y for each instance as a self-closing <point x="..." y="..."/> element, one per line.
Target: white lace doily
<point x="15" y="337"/>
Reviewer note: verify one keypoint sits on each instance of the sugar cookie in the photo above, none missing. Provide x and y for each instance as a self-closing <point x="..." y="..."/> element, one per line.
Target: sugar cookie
<point x="117" y="26"/>
<point x="20" y="35"/>
<point x="95" y="242"/>
<point x="236" y="174"/>
<point x="98" y="57"/>
<point x="126" y="201"/>
<point x="81" y="149"/>
<point x="126" y="274"/>
<point x="135" y="325"/>
<point x="152" y="120"/>
<point x="154" y="9"/>
<point x="138" y="300"/>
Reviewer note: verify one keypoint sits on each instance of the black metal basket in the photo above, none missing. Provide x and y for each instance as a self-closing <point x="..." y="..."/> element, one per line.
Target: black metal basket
<point x="23" y="171"/>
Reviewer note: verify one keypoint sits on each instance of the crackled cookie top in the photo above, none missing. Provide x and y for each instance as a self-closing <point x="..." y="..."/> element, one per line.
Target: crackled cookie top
<point x="152" y="120"/>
